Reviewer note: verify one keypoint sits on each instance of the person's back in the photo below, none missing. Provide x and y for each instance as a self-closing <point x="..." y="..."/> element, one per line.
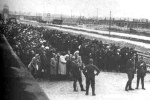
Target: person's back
<point x="130" y="66"/>
<point x="90" y="76"/>
<point x="90" y="70"/>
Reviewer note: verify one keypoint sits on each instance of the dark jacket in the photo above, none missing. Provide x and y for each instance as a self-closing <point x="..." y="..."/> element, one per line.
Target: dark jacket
<point x="75" y="70"/>
<point x="130" y="69"/>
<point x="141" y="68"/>
<point x="88" y="71"/>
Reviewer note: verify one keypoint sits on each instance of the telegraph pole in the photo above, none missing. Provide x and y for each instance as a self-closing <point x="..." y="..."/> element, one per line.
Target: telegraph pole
<point x="71" y="14"/>
<point x="80" y="19"/>
<point x="109" y="23"/>
<point x="97" y="13"/>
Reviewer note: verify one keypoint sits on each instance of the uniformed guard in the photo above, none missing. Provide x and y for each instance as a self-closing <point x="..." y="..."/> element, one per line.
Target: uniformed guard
<point x="141" y="72"/>
<point x="76" y="74"/>
<point x="130" y="72"/>
<point x="90" y="76"/>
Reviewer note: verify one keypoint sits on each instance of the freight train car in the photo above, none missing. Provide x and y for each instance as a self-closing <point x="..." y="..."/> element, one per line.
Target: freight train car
<point x="57" y="21"/>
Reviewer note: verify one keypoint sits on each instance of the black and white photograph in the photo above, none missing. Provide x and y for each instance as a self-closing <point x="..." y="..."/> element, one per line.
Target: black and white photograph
<point x="75" y="49"/>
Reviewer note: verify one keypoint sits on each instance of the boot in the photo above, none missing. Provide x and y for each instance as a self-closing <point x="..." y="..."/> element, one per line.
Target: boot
<point x="142" y="81"/>
<point x="86" y="93"/>
<point x="126" y="88"/>
<point x="87" y="90"/>
<point x="130" y="88"/>
<point x="82" y="89"/>
<point x="137" y="85"/>
<point x="74" y="86"/>
<point x="93" y="91"/>
<point x="75" y="90"/>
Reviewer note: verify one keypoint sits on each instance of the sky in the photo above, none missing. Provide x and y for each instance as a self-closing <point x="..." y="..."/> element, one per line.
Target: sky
<point x="88" y="8"/>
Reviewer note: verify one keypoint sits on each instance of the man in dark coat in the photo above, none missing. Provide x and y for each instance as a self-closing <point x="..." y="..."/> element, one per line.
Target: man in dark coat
<point x="90" y="76"/>
<point x="76" y="74"/>
<point x="130" y="72"/>
<point x="141" y="72"/>
<point x="44" y="65"/>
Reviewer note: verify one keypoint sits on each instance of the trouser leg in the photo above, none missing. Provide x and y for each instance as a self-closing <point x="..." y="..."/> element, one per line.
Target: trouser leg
<point x="93" y="86"/>
<point x="68" y="68"/>
<point x="142" y="82"/>
<point x="87" y="85"/>
<point x="138" y="79"/>
<point x="130" y="81"/>
<point x="127" y="85"/>
<point x="74" y="84"/>
<point x="130" y="84"/>
<point x="80" y="82"/>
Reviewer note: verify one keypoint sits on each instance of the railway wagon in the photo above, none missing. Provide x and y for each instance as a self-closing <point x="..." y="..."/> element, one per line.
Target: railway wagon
<point x="57" y="21"/>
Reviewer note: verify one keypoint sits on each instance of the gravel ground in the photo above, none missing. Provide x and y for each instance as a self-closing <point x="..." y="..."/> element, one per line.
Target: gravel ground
<point x="108" y="86"/>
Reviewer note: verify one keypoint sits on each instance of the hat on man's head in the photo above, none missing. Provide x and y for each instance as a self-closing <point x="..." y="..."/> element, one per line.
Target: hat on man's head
<point x="73" y="57"/>
<point x="91" y="60"/>
<point x="76" y="52"/>
<point x="141" y="57"/>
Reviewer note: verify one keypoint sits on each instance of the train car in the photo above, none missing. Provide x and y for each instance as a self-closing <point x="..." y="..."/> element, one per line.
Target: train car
<point x="12" y="21"/>
<point x="57" y="21"/>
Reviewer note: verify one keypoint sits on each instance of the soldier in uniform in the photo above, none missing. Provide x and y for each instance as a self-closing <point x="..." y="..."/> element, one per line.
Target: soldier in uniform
<point x="130" y="72"/>
<point x="141" y="72"/>
<point x="90" y="76"/>
<point x="76" y="74"/>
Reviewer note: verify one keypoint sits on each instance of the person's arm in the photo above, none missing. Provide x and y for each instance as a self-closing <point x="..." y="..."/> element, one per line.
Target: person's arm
<point x="145" y="68"/>
<point x="97" y="70"/>
<point x="52" y="62"/>
<point x="84" y="71"/>
<point x="62" y="59"/>
<point x="80" y="61"/>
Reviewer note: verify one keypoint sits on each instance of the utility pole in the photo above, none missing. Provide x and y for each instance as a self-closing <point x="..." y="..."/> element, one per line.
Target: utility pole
<point x="61" y="21"/>
<point x="97" y="13"/>
<point x="80" y="19"/>
<point x="109" y="23"/>
<point x="71" y="14"/>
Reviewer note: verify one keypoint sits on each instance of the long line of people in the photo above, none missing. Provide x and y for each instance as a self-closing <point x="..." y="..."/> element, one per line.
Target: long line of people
<point x="51" y="47"/>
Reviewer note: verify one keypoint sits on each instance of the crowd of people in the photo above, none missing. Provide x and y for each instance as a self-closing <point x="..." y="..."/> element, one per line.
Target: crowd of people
<point x="48" y="53"/>
<point x="49" y="46"/>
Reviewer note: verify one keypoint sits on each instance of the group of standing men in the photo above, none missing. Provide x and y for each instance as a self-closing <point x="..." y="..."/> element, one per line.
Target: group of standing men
<point x="140" y="68"/>
<point x="88" y="70"/>
<point x="74" y="69"/>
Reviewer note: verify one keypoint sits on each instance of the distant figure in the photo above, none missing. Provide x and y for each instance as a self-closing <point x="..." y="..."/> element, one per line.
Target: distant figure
<point x="34" y="65"/>
<point x="53" y="64"/>
<point x="62" y="65"/>
<point x="130" y="73"/>
<point x="44" y="65"/>
<point x="68" y="57"/>
<point x="141" y="72"/>
<point x="90" y="76"/>
<point x="78" y="59"/>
